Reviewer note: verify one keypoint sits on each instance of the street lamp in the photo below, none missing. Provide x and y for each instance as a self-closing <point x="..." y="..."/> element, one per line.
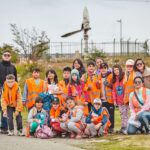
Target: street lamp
<point x="120" y="21"/>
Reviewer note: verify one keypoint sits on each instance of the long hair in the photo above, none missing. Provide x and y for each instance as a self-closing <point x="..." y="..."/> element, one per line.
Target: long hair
<point x="55" y="76"/>
<point x="135" y="67"/>
<point x="81" y="69"/>
<point x="121" y="73"/>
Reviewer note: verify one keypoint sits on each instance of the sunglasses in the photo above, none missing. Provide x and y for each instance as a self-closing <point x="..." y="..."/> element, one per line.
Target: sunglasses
<point x="137" y="82"/>
<point x="6" y="55"/>
<point x="97" y="104"/>
<point x="139" y="64"/>
<point x="129" y="66"/>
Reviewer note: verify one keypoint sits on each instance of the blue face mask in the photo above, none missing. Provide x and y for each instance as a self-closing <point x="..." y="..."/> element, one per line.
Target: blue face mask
<point x="119" y="90"/>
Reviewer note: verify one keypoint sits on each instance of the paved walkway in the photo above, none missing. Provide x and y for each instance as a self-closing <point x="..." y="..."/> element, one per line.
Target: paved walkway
<point x="23" y="143"/>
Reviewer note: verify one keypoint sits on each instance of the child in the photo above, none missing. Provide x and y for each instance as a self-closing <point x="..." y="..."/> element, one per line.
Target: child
<point x="55" y="114"/>
<point x="130" y="74"/>
<point x="98" y="120"/>
<point x="32" y="88"/>
<point x="76" y="90"/>
<point x="37" y="115"/>
<point x="52" y="83"/>
<point x="11" y="102"/>
<point x="75" y="124"/>
<point x="98" y="61"/>
<point x="63" y="85"/>
<point x="118" y="95"/>
<point x="92" y="84"/>
<point x="106" y="92"/>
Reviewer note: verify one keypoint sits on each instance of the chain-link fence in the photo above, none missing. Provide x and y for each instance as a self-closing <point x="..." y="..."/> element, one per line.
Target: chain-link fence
<point x="113" y="48"/>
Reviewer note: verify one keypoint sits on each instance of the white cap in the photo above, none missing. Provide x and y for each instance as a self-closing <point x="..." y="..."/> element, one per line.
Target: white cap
<point x="97" y="100"/>
<point x="130" y="62"/>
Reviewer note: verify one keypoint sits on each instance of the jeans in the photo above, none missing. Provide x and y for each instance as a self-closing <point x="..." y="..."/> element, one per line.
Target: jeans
<point x="132" y="129"/>
<point x="111" y="110"/>
<point x="144" y="118"/>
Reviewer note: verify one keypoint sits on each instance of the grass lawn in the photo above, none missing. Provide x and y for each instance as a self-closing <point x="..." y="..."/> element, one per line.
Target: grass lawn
<point x="118" y="142"/>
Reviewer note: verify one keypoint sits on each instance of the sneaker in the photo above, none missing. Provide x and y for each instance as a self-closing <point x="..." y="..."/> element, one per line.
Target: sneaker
<point x="4" y="131"/>
<point x="10" y="132"/>
<point x="79" y="136"/>
<point x="123" y="130"/>
<point x="110" y="130"/>
<point x="64" y="134"/>
<point x="20" y="133"/>
<point x="72" y="135"/>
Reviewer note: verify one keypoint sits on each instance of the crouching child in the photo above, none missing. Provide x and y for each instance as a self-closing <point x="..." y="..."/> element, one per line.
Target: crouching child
<point x="97" y="121"/>
<point x="11" y="103"/>
<point x="75" y="124"/>
<point x="37" y="121"/>
<point x="56" y="114"/>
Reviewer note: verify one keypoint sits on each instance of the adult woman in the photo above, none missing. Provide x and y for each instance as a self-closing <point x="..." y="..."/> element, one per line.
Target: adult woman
<point x="139" y="66"/>
<point x="138" y="103"/>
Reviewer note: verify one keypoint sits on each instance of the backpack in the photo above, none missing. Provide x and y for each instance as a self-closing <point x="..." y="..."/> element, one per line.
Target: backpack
<point x="47" y="100"/>
<point x="43" y="132"/>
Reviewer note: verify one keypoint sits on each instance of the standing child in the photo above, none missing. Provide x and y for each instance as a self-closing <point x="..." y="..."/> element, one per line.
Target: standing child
<point x="118" y="95"/>
<point x="52" y="83"/>
<point x="92" y="83"/>
<point x="128" y="81"/>
<point x="32" y="88"/>
<point x="106" y="92"/>
<point x="75" y="124"/>
<point x="11" y="102"/>
<point x="98" y="120"/>
<point x="76" y="90"/>
<point x="63" y="85"/>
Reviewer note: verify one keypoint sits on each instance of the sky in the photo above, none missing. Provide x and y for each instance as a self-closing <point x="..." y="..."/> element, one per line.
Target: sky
<point x="57" y="17"/>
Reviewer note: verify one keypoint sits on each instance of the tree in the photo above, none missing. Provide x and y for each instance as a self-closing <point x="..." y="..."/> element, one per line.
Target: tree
<point x="96" y="53"/>
<point x="14" y="51"/>
<point x="32" y="43"/>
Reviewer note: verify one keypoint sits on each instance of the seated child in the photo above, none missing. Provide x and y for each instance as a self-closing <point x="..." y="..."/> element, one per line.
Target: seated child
<point x="37" y="116"/>
<point x="98" y="120"/>
<point x="11" y="102"/>
<point x="56" y="113"/>
<point x="75" y="124"/>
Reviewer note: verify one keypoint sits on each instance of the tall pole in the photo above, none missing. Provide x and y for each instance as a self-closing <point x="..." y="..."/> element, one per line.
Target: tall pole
<point x="120" y="21"/>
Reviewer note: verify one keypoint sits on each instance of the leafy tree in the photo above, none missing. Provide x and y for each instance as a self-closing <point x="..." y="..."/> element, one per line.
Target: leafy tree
<point x="96" y="53"/>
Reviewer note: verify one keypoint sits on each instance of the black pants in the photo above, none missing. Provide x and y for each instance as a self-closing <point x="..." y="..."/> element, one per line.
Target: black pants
<point x="111" y="110"/>
<point x="10" y="111"/>
<point x="4" y="125"/>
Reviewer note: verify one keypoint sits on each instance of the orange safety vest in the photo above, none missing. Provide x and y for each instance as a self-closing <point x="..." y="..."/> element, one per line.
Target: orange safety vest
<point x="80" y="125"/>
<point x="10" y="96"/>
<point x="136" y="104"/>
<point x="80" y="99"/>
<point x="63" y="96"/>
<point x="108" y="90"/>
<point x="55" y="112"/>
<point x="94" y="92"/>
<point x="128" y="87"/>
<point x="33" y="91"/>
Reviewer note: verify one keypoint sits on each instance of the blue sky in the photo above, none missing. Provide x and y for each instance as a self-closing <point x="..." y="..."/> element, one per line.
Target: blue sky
<point x="57" y="17"/>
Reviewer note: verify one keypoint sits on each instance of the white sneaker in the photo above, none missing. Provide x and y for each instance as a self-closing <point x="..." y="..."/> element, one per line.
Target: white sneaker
<point x="10" y="132"/>
<point x="20" y="133"/>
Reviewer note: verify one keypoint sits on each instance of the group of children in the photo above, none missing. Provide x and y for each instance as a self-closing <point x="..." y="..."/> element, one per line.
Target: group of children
<point x="82" y="104"/>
